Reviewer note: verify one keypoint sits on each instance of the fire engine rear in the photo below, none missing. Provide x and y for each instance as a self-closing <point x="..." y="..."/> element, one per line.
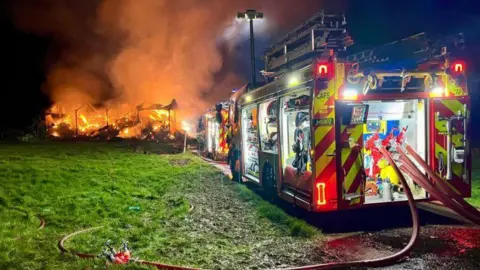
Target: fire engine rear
<point x="312" y="135"/>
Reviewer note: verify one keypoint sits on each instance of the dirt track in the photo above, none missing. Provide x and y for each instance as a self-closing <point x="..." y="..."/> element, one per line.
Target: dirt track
<point x="439" y="246"/>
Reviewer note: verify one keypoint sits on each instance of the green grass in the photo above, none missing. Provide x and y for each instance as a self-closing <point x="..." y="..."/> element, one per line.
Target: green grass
<point x="475" y="199"/>
<point x="293" y="226"/>
<point x="80" y="185"/>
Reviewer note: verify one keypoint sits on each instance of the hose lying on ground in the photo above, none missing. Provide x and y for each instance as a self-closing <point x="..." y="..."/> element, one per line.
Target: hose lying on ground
<point x="389" y="259"/>
<point x="456" y="204"/>
<point x="61" y="246"/>
<point x="42" y="223"/>
<point x="440" y="182"/>
<point x="444" y="193"/>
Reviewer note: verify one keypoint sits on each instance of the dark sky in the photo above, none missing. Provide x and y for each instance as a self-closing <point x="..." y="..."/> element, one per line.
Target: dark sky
<point x="371" y="23"/>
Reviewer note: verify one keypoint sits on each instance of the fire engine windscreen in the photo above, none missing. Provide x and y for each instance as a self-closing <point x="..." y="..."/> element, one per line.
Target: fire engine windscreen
<point x="389" y="121"/>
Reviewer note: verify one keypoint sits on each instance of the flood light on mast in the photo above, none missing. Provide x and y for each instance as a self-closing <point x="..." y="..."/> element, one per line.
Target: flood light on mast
<point x="250" y="14"/>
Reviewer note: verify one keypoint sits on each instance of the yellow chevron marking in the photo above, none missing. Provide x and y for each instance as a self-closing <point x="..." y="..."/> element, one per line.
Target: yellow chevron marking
<point x="440" y="126"/>
<point x="453" y="105"/>
<point x="352" y="173"/>
<point x="323" y="161"/>
<point x="357" y="200"/>
<point x="356" y="134"/>
<point x="320" y="103"/>
<point x="321" y="132"/>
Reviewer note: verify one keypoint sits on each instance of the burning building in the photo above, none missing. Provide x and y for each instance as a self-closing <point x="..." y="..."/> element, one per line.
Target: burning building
<point x="144" y="121"/>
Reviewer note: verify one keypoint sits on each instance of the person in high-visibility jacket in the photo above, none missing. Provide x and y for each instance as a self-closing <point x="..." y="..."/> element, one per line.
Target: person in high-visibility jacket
<point x="233" y="156"/>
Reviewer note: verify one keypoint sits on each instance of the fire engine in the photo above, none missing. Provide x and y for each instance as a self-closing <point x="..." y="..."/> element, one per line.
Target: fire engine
<point x="215" y="127"/>
<point x="308" y="136"/>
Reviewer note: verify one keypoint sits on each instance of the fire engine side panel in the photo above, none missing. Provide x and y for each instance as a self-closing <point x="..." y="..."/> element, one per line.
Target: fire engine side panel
<point x="460" y="174"/>
<point x="325" y="194"/>
<point x="351" y="174"/>
<point x="456" y="103"/>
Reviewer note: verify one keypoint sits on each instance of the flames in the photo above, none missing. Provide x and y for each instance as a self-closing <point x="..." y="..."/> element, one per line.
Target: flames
<point x="148" y="123"/>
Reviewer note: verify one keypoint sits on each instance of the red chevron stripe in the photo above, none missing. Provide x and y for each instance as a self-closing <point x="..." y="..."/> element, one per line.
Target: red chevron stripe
<point x="356" y="182"/>
<point x="441" y="140"/>
<point x="444" y="110"/>
<point x="331" y="100"/>
<point x="323" y="145"/>
<point x="352" y="157"/>
<point x="327" y="172"/>
<point x="324" y="114"/>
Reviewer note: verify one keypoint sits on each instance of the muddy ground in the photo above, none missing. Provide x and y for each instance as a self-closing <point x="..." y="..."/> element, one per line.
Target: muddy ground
<point x="224" y="214"/>
<point x="356" y="235"/>
<point x="376" y="232"/>
<point x="438" y="247"/>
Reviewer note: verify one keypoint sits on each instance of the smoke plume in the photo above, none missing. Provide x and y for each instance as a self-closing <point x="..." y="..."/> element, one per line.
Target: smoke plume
<point x="130" y="51"/>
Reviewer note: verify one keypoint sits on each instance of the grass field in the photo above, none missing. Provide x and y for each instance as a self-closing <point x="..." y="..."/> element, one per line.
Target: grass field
<point x="80" y="185"/>
<point x="475" y="199"/>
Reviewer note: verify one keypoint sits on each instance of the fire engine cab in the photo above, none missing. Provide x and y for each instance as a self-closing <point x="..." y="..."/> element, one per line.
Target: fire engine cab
<point x="309" y="136"/>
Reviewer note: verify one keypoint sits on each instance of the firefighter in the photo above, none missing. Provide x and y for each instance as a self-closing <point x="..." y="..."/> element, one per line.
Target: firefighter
<point x="233" y="156"/>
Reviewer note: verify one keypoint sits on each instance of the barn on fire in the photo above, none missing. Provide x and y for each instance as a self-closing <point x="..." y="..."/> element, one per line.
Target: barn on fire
<point x="143" y="121"/>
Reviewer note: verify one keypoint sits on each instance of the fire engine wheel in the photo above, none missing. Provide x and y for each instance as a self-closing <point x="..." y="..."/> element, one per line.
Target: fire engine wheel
<point x="268" y="182"/>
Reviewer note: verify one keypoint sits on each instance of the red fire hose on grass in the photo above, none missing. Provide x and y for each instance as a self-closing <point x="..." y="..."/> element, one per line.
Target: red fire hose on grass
<point x="158" y="265"/>
<point x="61" y="246"/>
<point x="335" y="265"/>
<point x="455" y="202"/>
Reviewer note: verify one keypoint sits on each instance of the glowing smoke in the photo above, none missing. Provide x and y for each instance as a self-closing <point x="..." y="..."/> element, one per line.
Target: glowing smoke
<point x="131" y="51"/>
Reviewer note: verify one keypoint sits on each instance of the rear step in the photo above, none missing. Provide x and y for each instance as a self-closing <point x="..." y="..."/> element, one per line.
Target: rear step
<point x="298" y="198"/>
<point x="439" y="209"/>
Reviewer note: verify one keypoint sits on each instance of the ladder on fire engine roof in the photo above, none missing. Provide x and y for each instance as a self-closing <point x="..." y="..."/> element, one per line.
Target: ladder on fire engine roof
<point x="408" y="53"/>
<point x="418" y="56"/>
<point x="319" y="34"/>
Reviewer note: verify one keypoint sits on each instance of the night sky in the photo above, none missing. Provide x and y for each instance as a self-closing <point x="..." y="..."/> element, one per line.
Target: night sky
<point x="370" y="23"/>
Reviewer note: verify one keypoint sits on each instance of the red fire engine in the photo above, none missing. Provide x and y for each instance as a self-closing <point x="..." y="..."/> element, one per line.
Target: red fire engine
<point x="214" y="129"/>
<point x="309" y="136"/>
